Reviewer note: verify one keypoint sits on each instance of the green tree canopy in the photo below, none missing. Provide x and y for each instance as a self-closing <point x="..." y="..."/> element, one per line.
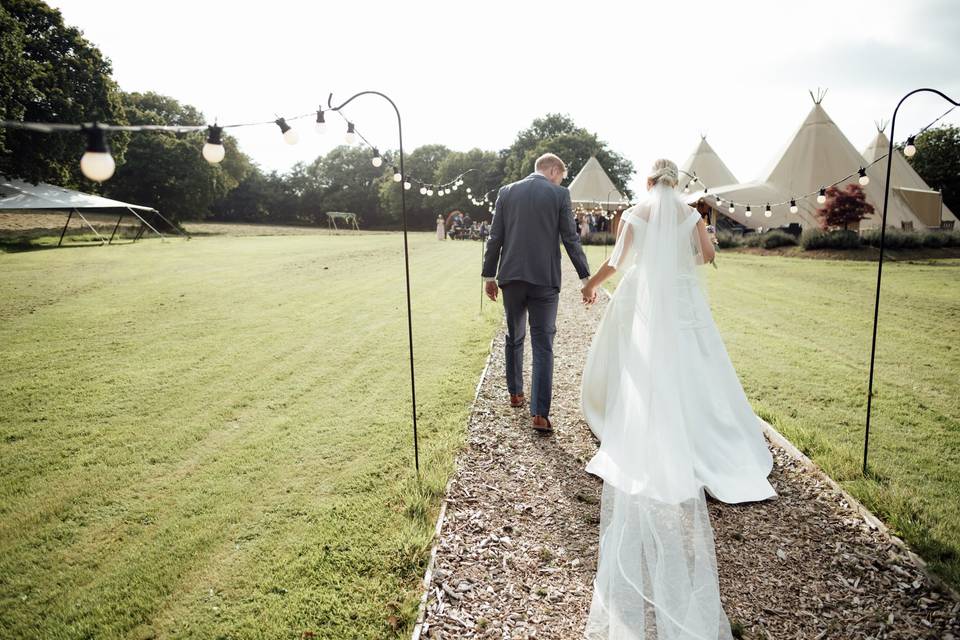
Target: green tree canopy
<point x="938" y="162"/>
<point x="50" y="73"/>
<point x="486" y="174"/>
<point x="346" y="180"/>
<point x="166" y="170"/>
<point x="422" y="163"/>
<point x="557" y="133"/>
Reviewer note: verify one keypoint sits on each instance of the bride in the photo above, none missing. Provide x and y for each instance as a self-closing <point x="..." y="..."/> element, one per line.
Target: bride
<point x="661" y="395"/>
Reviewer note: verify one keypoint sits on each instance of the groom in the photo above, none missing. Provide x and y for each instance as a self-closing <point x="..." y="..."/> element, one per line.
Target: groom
<point x="531" y="217"/>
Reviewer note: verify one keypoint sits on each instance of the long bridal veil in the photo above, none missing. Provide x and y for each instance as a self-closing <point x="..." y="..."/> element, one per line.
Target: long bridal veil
<point x="656" y="575"/>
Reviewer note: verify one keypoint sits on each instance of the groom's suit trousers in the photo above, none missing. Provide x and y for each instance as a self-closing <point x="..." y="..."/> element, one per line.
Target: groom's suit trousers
<point x="522" y="300"/>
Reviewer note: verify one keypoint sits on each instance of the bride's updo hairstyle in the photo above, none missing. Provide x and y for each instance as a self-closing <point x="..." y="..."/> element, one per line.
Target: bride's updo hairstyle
<point x="663" y="172"/>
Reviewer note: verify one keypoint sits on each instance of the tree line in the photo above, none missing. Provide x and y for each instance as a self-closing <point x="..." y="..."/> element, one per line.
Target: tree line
<point x="50" y="73"/>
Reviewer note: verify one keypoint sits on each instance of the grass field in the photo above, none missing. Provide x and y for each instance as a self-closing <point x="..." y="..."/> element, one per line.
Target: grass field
<point x="798" y="332"/>
<point x="212" y="438"/>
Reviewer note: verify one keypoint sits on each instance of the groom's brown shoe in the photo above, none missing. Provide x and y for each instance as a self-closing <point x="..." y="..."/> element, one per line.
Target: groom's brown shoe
<point x="516" y="400"/>
<point x="542" y="424"/>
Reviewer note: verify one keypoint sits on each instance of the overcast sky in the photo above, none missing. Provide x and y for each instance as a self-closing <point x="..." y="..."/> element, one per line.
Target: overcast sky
<point x="647" y="77"/>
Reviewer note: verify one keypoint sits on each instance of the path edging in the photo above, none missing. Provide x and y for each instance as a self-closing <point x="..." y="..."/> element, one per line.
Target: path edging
<point x="418" y="627"/>
<point x="868" y="516"/>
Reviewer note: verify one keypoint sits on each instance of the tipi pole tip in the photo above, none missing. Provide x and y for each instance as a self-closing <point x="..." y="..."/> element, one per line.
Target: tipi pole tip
<point x="821" y="93"/>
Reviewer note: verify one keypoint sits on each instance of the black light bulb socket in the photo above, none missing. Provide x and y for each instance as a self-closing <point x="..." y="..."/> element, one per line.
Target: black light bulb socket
<point x="823" y="192"/>
<point x="284" y="127"/>
<point x="911" y="140"/>
<point x="214" y="134"/>
<point x="376" y="152"/>
<point x="793" y="203"/>
<point x="862" y="172"/>
<point x="320" y="116"/>
<point x="748" y="208"/>
<point x="768" y="208"/>
<point x="96" y="138"/>
<point x="351" y="128"/>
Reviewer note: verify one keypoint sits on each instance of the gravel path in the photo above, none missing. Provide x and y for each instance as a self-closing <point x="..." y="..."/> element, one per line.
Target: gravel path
<point x="517" y="551"/>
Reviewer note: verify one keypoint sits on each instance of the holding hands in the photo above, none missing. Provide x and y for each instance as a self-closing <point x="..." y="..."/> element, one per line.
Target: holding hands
<point x="589" y="294"/>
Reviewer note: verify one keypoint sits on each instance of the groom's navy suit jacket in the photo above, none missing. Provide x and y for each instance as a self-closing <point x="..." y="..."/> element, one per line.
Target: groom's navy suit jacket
<point x="531" y="217"/>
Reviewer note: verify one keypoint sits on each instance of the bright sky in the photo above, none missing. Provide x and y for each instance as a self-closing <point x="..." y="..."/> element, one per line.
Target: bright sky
<point x="648" y="77"/>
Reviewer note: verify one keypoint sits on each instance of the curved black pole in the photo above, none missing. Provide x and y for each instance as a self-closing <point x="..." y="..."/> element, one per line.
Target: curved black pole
<point x="883" y="233"/>
<point x="406" y="257"/>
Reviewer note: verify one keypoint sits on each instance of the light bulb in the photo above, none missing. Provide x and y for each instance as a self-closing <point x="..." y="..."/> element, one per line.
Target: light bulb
<point x="429" y="192"/>
<point x="767" y="212"/>
<point x="864" y="179"/>
<point x="407" y="185"/>
<point x="351" y="135"/>
<point x="731" y="208"/>
<point x="213" y="151"/>
<point x="822" y="196"/>
<point x="686" y="189"/>
<point x="290" y="136"/>
<point x="396" y="175"/>
<point x="321" y="122"/>
<point x="423" y="190"/>
<point x="376" y="160"/>
<point x="793" y="206"/>
<point x="910" y="150"/>
<point x="97" y="164"/>
<point x="748" y="212"/>
<point x="447" y="191"/>
<point x="456" y="186"/>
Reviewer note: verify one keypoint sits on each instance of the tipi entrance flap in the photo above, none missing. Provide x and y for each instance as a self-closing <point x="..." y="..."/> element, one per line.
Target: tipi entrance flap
<point x="925" y="204"/>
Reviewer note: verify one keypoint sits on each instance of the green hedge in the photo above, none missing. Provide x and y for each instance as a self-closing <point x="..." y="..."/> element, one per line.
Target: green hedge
<point x="898" y="239"/>
<point x="839" y="239"/>
<point x="728" y="240"/>
<point x="600" y="238"/>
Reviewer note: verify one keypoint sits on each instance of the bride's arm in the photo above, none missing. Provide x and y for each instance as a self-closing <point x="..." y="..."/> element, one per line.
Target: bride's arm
<point x="600" y="276"/>
<point x="624" y="239"/>
<point x="707" y="250"/>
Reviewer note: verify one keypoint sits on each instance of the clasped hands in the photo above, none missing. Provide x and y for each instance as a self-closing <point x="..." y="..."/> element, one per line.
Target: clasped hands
<point x="589" y="294"/>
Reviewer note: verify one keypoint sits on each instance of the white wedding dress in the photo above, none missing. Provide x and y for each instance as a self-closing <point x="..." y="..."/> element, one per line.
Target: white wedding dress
<point x="661" y="395"/>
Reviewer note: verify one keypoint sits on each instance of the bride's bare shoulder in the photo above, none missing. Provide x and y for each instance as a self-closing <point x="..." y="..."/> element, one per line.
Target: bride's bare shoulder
<point x="638" y="212"/>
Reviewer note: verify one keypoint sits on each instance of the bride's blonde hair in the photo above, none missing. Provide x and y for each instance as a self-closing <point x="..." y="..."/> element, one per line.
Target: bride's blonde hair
<point x="664" y="172"/>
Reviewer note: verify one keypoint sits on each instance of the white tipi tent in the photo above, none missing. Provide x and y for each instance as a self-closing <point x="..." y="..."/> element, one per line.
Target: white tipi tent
<point x="906" y="185"/>
<point x="707" y="166"/>
<point x="816" y="156"/>
<point x="592" y="187"/>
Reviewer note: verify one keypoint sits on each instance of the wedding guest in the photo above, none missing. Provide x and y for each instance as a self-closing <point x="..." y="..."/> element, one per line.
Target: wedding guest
<point x="441" y="228"/>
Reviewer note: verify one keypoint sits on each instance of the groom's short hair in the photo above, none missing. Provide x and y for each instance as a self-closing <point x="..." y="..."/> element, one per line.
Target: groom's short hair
<point x="549" y="161"/>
